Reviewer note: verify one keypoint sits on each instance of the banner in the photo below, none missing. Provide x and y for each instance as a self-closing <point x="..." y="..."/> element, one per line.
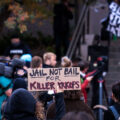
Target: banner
<point x="45" y="79"/>
<point x="114" y="19"/>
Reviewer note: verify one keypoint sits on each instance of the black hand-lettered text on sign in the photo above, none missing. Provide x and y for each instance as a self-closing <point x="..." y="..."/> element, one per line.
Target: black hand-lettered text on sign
<point x="114" y="19"/>
<point x="45" y="79"/>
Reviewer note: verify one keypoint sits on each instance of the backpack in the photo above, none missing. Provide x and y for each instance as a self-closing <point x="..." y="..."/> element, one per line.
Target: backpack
<point x="115" y="112"/>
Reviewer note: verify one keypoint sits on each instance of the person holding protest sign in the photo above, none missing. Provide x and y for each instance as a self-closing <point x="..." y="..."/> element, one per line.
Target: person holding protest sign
<point x="37" y="63"/>
<point x="49" y="60"/>
<point x="42" y="96"/>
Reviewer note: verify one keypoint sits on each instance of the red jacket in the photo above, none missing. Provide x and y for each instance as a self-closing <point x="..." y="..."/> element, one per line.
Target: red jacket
<point x="83" y="88"/>
<point x="85" y="84"/>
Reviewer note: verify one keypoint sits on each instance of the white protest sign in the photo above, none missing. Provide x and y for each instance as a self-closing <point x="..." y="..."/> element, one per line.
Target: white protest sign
<point x="45" y="79"/>
<point x="114" y="19"/>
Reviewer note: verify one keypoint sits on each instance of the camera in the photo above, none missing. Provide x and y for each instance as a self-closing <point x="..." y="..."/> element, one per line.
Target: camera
<point x="99" y="67"/>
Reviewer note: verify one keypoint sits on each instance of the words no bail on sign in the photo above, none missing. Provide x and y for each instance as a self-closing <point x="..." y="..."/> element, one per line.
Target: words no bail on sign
<point x="54" y="71"/>
<point x="50" y="78"/>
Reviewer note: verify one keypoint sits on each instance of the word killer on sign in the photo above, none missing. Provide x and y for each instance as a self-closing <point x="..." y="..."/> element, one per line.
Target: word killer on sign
<point x="52" y="85"/>
<point x="52" y="78"/>
<point x="114" y="19"/>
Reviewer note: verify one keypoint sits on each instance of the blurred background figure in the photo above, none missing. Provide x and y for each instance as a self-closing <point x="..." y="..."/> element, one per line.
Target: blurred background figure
<point x="63" y="14"/>
<point x="17" y="48"/>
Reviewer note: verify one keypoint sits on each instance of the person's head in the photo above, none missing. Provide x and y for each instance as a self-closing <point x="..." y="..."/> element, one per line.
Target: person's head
<point x="77" y="116"/>
<point x="50" y="59"/>
<point x="23" y="103"/>
<point x="84" y="66"/>
<point x="36" y="62"/>
<point x="15" y="40"/>
<point x="19" y="83"/>
<point x="116" y="92"/>
<point x="27" y="58"/>
<point x="66" y="62"/>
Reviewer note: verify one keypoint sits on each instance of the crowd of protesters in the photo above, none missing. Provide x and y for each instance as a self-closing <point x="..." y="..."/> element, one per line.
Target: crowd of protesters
<point x="17" y="103"/>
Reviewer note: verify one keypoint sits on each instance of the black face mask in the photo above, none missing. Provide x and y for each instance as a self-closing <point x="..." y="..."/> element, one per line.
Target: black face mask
<point x="16" y="44"/>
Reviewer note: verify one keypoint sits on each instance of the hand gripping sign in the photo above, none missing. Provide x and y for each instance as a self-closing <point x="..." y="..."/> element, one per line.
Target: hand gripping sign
<point x="45" y="79"/>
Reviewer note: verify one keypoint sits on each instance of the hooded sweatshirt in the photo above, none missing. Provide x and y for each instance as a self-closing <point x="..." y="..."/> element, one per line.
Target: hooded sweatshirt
<point x="18" y="83"/>
<point x="22" y="105"/>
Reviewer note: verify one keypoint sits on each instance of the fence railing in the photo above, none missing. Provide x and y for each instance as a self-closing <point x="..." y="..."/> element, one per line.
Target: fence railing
<point x="79" y="33"/>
